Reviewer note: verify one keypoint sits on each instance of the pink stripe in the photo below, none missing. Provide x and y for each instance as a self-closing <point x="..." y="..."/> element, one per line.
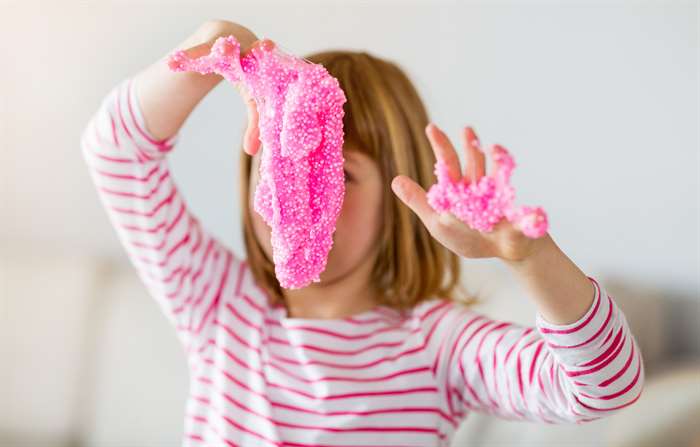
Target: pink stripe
<point x="112" y="159"/>
<point x="216" y="300"/>
<point x="280" y="423"/>
<point x="253" y="304"/>
<point x="245" y="321"/>
<point x="611" y="408"/>
<point x="425" y="389"/>
<point x="607" y="352"/>
<point x="435" y="308"/>
<point x="599" y="366"/>
<point x="602" y="327"/>
<point x="607" y="337"/>
<point x="349" y="379"/>
<point x="514" y="409"/>
<point x="240" y="427"/>
<point x="392" y="328"/>
<point x="260" y="373"/>
<point x="162" y="144"/>
<point x="460" y="360"/>
<point x="494" y="366"/>
<point x="114" y="130"/>
<point x="211" y="275"/>
<point x="187" y="271"/>
<point x="241" y="269"/>
<point x="391" y="358"/>
<point x="165" y="261"/>
<point x="584" y="323"/>
<point x="453" y="349"/>
<point x="622" y="391"/>
<point x="348" y="352"/>
<point x="301" y="378"/>
<point x="148" y="195"/>
<point x="539" y="378"/>
<point x="456" y="321"/>
<point x="130" y="177"/>
<point x="151" y="213"/>
<point x="522" y="336"/>
<point x="306" y="410"/>
<point x="139" y="151"/>
<point x="520" y="371"/>
<point x="534" y="359"/>
<point x="618" y="374"/>
<point x="160" y="245"/>
<point x="199" y="299"/>
<point x="479" y="365"/>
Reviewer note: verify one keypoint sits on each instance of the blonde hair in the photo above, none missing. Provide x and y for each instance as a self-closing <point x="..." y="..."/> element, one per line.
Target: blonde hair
<point x="386" y="119"/>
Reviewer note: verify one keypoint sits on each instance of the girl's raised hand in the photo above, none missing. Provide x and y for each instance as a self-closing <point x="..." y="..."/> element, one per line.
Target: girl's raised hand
<point x="505" y="241"/>
<point x="211" y="31"/>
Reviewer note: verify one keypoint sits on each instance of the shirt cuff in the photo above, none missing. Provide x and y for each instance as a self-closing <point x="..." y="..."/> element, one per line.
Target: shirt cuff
<point x="581" y="333"/>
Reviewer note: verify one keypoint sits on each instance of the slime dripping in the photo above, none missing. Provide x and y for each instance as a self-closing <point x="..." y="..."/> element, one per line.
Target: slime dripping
<point x="301" y="188"/>
<point x="482" y="204"/>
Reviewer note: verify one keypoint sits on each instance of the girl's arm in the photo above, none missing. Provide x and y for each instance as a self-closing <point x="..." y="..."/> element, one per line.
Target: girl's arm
<point x="580" y="362"/>
<point x="125" y="146"/>
<point x="167" y="97"/>
<point x="551" y="373"/>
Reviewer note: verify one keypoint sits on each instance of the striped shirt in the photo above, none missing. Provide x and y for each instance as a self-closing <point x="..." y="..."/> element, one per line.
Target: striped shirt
<point x="378" y="378"/>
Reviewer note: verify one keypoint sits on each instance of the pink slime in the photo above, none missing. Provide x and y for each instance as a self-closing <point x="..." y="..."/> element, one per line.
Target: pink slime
<point x="301" y="187"/>
<point x="484" y="203"/>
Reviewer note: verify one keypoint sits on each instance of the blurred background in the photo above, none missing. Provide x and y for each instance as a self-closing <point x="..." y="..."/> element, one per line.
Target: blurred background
<point x="597" y="102"/>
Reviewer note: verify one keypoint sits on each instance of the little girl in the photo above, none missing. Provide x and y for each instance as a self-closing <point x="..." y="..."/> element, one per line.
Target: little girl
<point x="380" y="352"/>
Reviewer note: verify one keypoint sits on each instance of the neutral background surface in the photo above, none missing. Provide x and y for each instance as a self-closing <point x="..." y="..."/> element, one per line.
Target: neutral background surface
<point x="597" y="102"/>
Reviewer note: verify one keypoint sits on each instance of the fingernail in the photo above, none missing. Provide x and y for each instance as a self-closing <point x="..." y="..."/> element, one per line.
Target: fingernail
<point x="397" y="187"/>
<point x="267" y="44"/>
<point x="473" y="139"/>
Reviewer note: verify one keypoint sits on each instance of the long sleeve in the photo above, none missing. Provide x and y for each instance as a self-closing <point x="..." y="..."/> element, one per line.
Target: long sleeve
<point x="548" y="373"/>
<point x="184" y="268"/>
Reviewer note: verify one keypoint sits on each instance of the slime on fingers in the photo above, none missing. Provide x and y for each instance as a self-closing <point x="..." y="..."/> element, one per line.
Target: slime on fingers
<point x="482" y="204"/>
<point x="301" y="188"/>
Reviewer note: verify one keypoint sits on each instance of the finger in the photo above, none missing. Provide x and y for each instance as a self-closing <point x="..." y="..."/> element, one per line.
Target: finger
<point x="199" y="50"/>
<point x="476" y="158"/>
<point x="444" y="150"/>
<point x="415" y="197"/>
<point x="251" y="139"/>
<point x="262" y="44"/>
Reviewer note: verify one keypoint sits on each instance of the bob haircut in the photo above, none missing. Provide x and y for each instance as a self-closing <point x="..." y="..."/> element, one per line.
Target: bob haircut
<point x="386" y="120"/>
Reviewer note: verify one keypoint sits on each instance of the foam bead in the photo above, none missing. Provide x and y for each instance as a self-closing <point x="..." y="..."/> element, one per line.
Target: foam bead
<point x="301" y="188"/>
<point x="482" y="204"/>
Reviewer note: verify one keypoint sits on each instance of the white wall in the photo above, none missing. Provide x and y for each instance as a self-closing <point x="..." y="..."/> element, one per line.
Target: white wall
<point x="598" y="102"/>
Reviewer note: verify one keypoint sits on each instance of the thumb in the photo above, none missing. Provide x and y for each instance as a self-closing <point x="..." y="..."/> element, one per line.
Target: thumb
<point x="251" y="138"/>
<point x="415" y="197"/>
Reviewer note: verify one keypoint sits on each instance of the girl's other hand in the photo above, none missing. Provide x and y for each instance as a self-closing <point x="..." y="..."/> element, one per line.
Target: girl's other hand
<point x="504" y="241"/>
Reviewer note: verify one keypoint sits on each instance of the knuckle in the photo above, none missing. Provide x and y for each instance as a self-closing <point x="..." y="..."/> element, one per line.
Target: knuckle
<point x="217" y="24"/>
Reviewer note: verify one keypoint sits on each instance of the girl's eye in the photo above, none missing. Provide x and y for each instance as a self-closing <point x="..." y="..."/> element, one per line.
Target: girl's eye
<point x="347" y="176"/>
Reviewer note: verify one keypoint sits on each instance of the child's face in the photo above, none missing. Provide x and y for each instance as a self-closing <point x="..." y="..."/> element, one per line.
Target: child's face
<point x="358" y="225"/>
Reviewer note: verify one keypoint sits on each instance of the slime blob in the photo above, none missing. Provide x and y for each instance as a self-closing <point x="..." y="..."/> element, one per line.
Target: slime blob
<point x="482" y="204"/>
<point x="301" y="187"/>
